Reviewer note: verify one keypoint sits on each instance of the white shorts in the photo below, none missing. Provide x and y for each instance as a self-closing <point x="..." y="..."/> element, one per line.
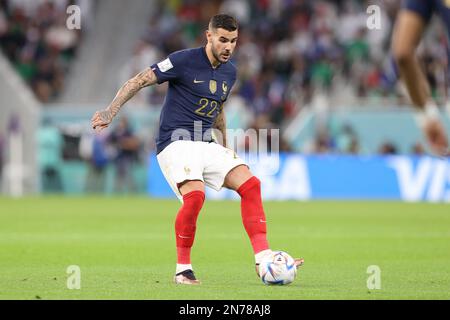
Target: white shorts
<point x="197" y="160"/>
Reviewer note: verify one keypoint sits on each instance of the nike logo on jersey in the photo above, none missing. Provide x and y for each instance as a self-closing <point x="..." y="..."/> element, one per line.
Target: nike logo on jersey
<point x="198" y="81"/>
<point x="183" y="237"/>
<point x="262" y="221"/>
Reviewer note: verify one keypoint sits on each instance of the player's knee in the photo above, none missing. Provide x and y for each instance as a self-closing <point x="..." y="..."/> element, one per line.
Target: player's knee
<point x="251" y="184"/>
<point x="402" y="56"/>
<point x="194" y="200"/>
<point x="188" y="213"/>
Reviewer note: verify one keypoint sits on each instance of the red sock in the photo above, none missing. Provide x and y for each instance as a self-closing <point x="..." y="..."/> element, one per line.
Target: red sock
<point x="253" y="215"/>
<point x="185" y="225"/>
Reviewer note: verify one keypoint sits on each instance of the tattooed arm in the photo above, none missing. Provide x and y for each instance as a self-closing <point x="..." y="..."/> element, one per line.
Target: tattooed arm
<point x="221" y="125"/>
<point x="102" y="119"/>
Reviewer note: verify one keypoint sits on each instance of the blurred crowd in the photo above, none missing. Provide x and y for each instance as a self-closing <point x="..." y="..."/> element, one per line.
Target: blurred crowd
<point x="34" y="37"/>
<point x="345" y="140"/>
<point x="291" y="55"/>
<point x="293" y="52"/>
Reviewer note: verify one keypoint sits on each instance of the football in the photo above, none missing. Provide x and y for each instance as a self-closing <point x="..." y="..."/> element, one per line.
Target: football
<point x="277" y="268"/>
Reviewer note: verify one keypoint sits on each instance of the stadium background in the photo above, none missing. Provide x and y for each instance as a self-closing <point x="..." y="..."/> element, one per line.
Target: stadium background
<point x="312" y="69"/>
<point x="309" y="68"/>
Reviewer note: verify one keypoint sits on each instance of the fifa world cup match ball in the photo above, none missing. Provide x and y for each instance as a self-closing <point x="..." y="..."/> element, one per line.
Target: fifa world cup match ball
<point x="277" y="268"/>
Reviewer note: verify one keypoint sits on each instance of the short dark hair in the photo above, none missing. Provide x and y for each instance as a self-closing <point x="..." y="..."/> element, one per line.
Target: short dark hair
<point x="223" y="21"/>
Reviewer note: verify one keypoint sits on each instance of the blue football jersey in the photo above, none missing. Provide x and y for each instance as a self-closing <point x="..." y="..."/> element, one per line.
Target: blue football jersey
<point x="195" y="96"/>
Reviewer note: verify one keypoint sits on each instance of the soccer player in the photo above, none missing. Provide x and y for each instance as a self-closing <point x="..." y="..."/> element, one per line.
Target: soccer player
<point x="200" y="81"/>
<point x="409" y="27"/>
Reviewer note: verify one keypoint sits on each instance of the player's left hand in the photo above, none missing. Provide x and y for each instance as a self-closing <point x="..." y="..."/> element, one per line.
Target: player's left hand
<point x="101" y="120"/>
<point x="436" y="136"/>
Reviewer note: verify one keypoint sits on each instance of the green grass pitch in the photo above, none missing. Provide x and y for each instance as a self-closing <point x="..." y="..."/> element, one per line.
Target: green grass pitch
<point x="125" y="248"/>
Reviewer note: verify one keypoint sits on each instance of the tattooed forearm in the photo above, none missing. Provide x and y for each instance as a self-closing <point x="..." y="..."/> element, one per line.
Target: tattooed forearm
<point x="220" y="124"/>
<point x="127" y="91"/>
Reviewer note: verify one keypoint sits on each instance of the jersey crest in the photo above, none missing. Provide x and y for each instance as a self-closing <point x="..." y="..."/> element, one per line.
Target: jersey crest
<point x="213" y="86"/>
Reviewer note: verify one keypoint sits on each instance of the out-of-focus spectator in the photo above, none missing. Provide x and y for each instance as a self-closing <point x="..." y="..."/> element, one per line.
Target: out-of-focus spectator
<point x="358" y="48"/>
<point x="418" y="149"/>
<point x="237" y="8"/>
<point x="354" y="147"/>
<point x="97" y="155"/>
<point x="323" y="143"/>
<point x="387" y="148"/>
<point x="49" y="158"/>
<point x="347" y="140"/>
<point x="127" y="146"/>
<point x="322" y="73"/>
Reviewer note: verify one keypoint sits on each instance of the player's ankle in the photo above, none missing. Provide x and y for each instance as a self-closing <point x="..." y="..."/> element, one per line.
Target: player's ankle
<point x="182" y="267"/>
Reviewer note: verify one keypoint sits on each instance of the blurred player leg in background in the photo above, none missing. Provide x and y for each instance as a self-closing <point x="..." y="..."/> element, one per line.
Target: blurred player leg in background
<point x="407" y="34"/>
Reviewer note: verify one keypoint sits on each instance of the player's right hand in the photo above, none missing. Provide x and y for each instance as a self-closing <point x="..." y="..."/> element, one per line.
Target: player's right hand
<point x="101" y="120"/>
<point x="436" y="137"/>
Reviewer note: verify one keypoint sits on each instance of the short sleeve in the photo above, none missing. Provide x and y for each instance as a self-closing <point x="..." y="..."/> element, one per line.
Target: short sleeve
<point x="170" y="68"/>
<point x="424" y="8"/>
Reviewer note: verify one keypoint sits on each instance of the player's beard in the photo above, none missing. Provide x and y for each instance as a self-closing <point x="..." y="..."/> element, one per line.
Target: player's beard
<point x="217" y="56"/>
